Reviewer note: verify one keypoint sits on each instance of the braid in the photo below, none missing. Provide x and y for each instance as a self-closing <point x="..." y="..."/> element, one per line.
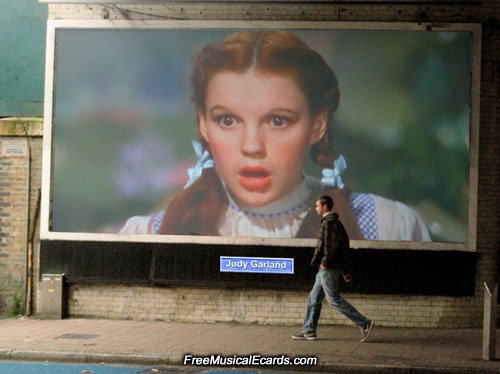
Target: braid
<point x="197" y="209"/>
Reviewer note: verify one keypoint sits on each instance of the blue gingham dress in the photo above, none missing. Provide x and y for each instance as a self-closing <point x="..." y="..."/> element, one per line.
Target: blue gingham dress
<point x="361" y="204"/>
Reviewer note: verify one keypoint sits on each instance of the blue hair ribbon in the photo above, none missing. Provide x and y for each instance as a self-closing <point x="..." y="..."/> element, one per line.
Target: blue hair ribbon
<point x="331" y="177"/>
<point x="203" y="161"/>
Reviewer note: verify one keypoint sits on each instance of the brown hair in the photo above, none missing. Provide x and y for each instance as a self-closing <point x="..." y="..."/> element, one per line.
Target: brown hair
<point x="199" y="208"/>
<point x="326" y="200"/>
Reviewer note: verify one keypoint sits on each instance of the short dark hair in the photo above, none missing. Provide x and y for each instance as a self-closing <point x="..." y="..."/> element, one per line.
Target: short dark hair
<point x="326" y="200"/>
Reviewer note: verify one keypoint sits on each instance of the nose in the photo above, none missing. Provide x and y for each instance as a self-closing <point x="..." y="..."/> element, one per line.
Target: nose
<point x="253" y="142"/>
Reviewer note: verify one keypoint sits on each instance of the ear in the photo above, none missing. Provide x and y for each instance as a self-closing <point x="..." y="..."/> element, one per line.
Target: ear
<point x="318" y="126"/>
<point x="202" y="125"/>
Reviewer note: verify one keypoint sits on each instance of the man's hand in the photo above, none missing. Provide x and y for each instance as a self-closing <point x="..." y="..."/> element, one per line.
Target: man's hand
<point x="347" y="278"/>
<point x="322" y="267"/>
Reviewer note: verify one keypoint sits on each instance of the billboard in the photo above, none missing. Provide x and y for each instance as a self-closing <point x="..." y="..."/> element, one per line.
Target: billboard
<point x="216" y="132"/>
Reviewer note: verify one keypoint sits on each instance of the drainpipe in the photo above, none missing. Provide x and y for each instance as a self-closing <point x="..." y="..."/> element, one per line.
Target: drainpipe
<point x="29" y="291"/>
<point x="28" y="185"/>
<point x="30" y="234"/>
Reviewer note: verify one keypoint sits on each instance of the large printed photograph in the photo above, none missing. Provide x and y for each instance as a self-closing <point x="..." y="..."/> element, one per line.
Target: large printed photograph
<point x="236" y="132"/>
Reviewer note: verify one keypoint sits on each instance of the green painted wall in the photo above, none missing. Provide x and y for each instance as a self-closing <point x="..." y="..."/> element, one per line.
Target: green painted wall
<point x="22" y="57"/>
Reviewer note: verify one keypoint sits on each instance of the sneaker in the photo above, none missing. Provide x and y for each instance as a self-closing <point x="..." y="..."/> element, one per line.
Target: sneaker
<point x="305" y="336"/>
<point x="365" y="332"/>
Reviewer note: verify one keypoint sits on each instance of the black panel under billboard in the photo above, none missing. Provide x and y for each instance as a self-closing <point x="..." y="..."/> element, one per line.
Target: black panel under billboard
<point x="194" y="265"/>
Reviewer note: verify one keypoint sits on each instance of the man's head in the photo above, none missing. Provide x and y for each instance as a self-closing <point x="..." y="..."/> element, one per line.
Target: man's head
<point x="323" y="205"/>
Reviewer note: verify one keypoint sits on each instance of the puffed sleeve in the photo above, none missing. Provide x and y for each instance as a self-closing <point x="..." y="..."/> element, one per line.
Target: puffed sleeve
<point x="397" y="221"/>
<point x="138" y="225"/>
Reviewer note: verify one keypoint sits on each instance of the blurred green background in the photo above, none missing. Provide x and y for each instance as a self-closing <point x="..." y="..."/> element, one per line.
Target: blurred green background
<point x="123" y="121"/>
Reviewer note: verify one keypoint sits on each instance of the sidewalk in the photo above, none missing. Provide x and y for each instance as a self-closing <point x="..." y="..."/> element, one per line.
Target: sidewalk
<point x="389" y="350"/>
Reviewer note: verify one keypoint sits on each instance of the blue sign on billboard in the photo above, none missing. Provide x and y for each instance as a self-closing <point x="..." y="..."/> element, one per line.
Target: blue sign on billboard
<point x="256" y="265"/>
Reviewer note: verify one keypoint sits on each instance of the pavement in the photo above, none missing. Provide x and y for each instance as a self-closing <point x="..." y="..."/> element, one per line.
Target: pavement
<point x="161" y="344"/>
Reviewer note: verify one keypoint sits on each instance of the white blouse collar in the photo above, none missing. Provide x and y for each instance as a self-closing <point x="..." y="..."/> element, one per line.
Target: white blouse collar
<point x="296" y="199"/>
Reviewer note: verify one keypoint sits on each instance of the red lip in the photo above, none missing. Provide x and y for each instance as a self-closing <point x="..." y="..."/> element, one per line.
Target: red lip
<point x="254" y="178"/>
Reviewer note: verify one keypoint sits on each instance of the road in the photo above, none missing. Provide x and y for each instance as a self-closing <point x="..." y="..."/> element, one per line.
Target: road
<point x="14" y="367"/>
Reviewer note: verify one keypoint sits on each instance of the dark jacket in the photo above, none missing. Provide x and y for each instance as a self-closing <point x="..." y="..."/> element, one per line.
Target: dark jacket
<point x="333" y="242"/>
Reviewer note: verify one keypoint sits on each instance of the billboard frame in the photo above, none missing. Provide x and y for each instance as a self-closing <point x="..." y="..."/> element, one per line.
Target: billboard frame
<point x="53" y="25"/>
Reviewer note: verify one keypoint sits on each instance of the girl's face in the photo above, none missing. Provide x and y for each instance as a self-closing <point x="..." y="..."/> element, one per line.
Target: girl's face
<point x="259" y="128"/>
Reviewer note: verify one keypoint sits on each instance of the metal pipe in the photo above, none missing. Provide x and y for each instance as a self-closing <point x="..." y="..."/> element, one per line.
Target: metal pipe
<point x="29" y="293"/>
<point x="28" y="185"/>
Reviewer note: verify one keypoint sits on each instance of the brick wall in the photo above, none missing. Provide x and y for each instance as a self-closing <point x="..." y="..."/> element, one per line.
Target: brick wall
<point x="14" y="227"/>
<point x="264" y="306"/>
<point x="351" y="10"/>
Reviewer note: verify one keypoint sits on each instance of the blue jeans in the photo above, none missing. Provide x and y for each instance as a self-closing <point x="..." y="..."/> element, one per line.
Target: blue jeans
<point x="327" y="283"/>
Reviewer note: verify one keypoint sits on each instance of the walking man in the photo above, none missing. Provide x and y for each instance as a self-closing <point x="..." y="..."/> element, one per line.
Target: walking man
<point x="329" y="256"/>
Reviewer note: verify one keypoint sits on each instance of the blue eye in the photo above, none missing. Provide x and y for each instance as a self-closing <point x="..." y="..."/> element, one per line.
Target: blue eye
<point x="226" y="121"/>
<point x="278" y="121"/>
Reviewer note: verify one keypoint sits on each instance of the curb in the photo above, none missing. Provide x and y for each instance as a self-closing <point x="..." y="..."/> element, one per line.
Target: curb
<point x="157" y="360"/>
<point x="91" y="358"/>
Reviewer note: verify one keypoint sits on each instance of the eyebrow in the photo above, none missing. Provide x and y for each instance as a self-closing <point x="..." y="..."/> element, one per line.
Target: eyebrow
<point x="279" y="109"/>
<point x="219" y="107"/>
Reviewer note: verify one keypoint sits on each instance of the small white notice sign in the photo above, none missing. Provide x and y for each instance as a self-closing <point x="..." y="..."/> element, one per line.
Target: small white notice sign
<point x="14" y="148"/>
